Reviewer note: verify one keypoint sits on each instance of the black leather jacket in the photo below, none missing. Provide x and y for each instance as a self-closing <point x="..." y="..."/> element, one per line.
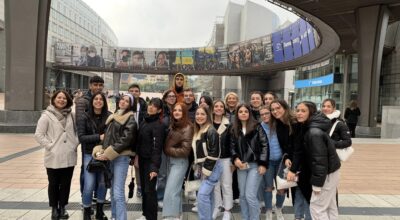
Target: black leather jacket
<point x="224" y="138"/>
<point x="207" y="150"/>
<point x="252" y="147"/>
<point x="88" y="132"/>
<point x="121" y="133"/>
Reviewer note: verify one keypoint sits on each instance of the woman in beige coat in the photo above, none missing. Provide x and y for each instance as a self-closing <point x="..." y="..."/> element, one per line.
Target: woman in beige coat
<point x="56" y="132"/>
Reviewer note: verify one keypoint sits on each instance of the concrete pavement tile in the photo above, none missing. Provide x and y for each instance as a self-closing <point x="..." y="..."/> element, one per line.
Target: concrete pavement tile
<point x="40" y="196"/>
<point x="35" y="214"/>
<point x="5" y="193"/>
<point x="21" y="195"/>
<point x="12" y="214"/>
<point x="375" y="201"/>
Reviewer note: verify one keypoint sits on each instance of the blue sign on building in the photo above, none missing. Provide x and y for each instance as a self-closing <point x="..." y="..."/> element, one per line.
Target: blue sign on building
<point x="277" y="47"/>
<point x="319" y="81"/>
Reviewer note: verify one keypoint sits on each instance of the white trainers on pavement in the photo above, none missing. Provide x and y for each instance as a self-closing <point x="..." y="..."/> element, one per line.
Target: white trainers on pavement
<point x="227" y="215"/>
<point x="194" y="209"/>
<point x="279" y="215"/>
<point x="160" y="204"/>
<point x="217" y="212"/>
<point x="268" y="215"/>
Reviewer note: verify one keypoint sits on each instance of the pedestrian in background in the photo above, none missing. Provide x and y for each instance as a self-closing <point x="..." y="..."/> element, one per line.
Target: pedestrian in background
<point x="56" y="133"/>
<point x="351" y="115"/>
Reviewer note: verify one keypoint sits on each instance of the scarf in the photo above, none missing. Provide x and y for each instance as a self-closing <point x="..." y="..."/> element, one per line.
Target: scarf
<point x="60" y="114"/>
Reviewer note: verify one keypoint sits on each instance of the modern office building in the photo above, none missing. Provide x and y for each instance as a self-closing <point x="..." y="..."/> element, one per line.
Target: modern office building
<point x="74" y="22"/>
<point x="327" y="79"/>
<point x="242" y="23"/>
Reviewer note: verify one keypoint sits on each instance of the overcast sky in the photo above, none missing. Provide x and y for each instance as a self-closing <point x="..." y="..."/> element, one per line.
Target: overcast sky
<point x="167" y="23"/>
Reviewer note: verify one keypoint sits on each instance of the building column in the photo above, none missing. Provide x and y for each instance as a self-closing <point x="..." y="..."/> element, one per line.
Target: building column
<point x="372" y="23"/>
<point x="116" y="82"/>
<point x="26" y="38"/>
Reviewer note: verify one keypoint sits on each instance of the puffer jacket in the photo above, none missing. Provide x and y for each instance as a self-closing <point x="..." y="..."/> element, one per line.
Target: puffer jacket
<point x="206" y="149"/>
<point x="251" y="147"/>
<point x="178" y="143"/>
<point x="88" y="133"/>
<point x="224" y="138"/>
<point x="151" y="139"/>
<point x="341" y="135"/>
<point x="321" y="151"/>
<point x="120" y="136"/>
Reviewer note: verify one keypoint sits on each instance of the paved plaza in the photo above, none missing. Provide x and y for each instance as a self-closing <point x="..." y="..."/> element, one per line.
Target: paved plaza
<point x="369" y="186"/>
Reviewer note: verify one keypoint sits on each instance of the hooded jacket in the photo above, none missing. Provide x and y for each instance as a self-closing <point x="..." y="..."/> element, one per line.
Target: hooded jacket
<point x="341" y="135"/>
<point x="179" y="97"/>
<point x="320" y="149"/>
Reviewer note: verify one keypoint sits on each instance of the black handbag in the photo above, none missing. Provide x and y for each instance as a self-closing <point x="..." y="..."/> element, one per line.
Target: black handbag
<point x="97" y="166"/>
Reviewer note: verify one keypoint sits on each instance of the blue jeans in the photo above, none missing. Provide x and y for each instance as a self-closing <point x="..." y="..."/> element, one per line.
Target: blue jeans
<point x="249" y="183"/>
<point x="119" y="169"/>
<point x="301" y="206"/>
<point x="91" y="179"/>
<point x="205" y="195"/>
<point x="172" y="205"/>
<point x="269" y="177"/>
<point x="162" y="177"/>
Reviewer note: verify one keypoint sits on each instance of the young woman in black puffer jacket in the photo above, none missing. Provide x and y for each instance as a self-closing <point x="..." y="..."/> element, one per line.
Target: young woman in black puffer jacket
<point x="149" y="146"/>
<point x="319" y="159"/>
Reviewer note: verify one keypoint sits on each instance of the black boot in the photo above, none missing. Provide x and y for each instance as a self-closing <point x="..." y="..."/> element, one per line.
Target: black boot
<point x="87" y="213"/>
<point x="54" y="213"/>
<point x="99" y="212"/>
<point x="63" y="213"/>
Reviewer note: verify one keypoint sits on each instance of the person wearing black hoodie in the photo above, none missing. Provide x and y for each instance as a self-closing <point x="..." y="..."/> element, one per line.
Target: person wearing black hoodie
<point x="319" y="162"/>
<point x="149" y="146"/>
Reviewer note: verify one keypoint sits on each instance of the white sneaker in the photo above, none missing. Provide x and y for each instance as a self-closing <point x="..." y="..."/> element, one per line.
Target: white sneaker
<point x="217" y="212"/>
<point x="268" y="215"/>
<point x="195" y="209"/>
<point x="236" y="201"/>
<point x="279" y="215"/>
<point x="262" y="204"/>
<point x="141" y="218"/>
<point x="160" y="204"/>
<point x="227" y="215"/>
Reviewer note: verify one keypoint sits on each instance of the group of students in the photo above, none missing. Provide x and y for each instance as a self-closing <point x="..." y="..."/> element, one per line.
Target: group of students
<point x="233" y="148"/>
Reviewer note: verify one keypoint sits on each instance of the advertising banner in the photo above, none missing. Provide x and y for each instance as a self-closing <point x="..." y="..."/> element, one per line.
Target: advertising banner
<point x="267" y="46"/>
<point x="310" y="33"/>
<point x="277" y="47"/>
<point x="304" y="37"/>
<point x="296" y="40"/>
<point x="287" y="44"/>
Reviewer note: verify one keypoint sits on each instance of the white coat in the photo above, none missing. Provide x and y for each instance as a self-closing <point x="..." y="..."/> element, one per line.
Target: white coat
<point x="60" y="144"/>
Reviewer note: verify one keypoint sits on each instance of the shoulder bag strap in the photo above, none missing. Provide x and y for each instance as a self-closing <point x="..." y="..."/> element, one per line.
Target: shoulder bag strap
<point x="333" y="128"/>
